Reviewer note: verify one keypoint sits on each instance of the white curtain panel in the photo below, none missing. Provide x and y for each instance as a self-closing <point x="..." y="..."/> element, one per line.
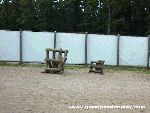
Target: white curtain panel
<point x="75" y="44"/>
<point x="133" y="51"/>
<point x="9" y="45"/>
<point x="102" y="47"/>
<point x="34" y="45"/>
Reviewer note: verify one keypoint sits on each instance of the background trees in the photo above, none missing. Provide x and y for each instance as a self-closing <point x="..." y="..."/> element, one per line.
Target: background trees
<point x="127" y="17"/>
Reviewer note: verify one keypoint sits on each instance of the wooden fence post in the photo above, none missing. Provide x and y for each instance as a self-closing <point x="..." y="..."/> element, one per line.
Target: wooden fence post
<point x="148" y="52"/>
<point x="21" y="52"/>
<point x="55" y="35"/>
<point x="118" y="49"/>
<point x="86" y="37"/>
<point x="55" y="41"/>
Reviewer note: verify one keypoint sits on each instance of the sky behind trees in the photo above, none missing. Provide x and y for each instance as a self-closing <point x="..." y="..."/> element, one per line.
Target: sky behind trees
<point x="126" y="17"/>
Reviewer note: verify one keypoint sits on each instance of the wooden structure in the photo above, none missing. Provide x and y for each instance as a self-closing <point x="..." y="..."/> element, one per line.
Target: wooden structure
<point x="57" y="63"/>
<point x="97" y="66"/>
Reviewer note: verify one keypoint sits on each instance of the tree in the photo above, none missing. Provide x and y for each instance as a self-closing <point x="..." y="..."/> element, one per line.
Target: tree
<point x="126" y="17"/>
<point x="28" y="16"/>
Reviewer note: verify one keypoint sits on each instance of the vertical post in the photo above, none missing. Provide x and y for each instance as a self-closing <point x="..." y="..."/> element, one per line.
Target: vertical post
<point x="118" y="49"/>
<point x="47" y="56"/>
<point x="148" y="52"/>
<point x="55" y="35"/>
<point x="20" y="62"/>
<point x="86" y="37"/>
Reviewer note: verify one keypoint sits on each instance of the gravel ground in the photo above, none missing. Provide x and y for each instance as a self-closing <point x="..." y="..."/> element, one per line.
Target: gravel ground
<point x="27" y="90"/>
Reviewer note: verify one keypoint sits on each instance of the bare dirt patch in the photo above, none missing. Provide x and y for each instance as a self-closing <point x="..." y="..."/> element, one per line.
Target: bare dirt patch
<point x="27" y="90"/>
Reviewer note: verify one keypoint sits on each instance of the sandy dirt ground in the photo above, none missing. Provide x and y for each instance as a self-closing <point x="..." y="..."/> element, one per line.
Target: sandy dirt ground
<point x="27" y="90"/>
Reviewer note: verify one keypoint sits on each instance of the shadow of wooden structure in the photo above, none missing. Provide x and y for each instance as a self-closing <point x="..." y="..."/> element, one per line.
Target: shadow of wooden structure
<point x="97" y="66"/>
<point x="57" y="63"/>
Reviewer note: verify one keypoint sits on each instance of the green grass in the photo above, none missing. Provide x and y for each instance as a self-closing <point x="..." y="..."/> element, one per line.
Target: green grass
<point x="86" y="67"/>
<point x="76" y="67"/>
<point x="33" y="65"/>
<point x="113" y="68"/>
<point x="127" y="68"/>
<point x="22" y="65"/>
<point x="8" y="64"/>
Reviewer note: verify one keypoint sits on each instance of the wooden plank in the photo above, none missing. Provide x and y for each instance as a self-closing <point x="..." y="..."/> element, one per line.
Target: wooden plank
<point x="54" y="60"/>
<point x="99" y="61"/>
<point x="56" y="50"/>
<point x="52" y="69"/>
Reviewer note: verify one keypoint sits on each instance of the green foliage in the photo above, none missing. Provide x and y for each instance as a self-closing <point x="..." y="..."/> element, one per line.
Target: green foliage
<point x="126" y="17"/>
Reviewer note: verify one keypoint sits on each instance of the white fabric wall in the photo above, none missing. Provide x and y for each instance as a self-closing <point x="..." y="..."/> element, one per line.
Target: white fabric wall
<point x="75" y="44"/>
<point x="9" y="45"/>
<point x="34" y="45"/>
<point x="102" y="47"/>
<point x="133" y="51"/>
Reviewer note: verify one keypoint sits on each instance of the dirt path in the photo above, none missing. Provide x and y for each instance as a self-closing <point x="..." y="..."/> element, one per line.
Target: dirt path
<point x="27" y="90"/>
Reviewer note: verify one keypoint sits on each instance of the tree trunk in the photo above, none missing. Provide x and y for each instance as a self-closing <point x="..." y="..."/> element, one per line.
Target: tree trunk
<point x="76" y="8"/>
<point x="109" y="21"/>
